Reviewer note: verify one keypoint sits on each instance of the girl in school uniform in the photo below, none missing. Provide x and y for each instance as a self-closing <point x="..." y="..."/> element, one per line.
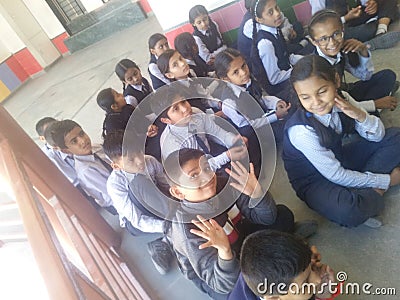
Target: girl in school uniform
<point x="186" y="45"/>
<point x="135" y="87"/>
<point x="271" y="61"/>
<point x="117" y="110"/>
<point x="230" y="65"/>
<point x="342" y="182"/>
<point x="206" y="34"/>
<point x="158" y="44"/>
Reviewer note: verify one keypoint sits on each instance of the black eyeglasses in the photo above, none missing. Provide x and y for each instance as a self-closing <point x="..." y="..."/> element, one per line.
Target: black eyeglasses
<point x="336" y="36"/>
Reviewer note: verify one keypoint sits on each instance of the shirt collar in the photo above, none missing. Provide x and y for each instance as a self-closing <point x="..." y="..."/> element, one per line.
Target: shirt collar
<point x="269" y="29"/>
<point x="332" y="60"/>
<point x="238" y="89"/>
<point x="326" y="119"/>
<point x="138" y="87"/>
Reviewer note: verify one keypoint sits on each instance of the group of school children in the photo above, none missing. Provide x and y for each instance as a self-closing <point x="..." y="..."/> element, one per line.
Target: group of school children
<point x="165" y="145"/>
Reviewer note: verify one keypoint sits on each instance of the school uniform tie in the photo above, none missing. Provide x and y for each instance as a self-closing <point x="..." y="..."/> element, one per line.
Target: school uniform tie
<point x="201" y="143"/>
<point x="106" y="165"/>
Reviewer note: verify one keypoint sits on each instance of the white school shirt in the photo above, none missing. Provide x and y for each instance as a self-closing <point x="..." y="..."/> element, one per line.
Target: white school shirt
<point x="204" y="53"/>
<point x="270" y="61"/>
<point x="93" y="175"/>
<point x="305" y="139"/>
<point x="118" y="187"/>
<point x="230" y="110"/>
<point x="132" y="99"/>
<point x="317" y="5"/>
<point x="178" y="137"/>
<point x="153" y="69"/>
<point x="64" y="162"/>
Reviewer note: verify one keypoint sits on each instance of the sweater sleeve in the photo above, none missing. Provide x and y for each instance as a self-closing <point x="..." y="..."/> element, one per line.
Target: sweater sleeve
<point x="259" y="211"/>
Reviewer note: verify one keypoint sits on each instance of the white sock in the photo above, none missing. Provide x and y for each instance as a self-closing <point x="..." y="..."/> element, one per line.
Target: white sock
<point x="382" y="28"/>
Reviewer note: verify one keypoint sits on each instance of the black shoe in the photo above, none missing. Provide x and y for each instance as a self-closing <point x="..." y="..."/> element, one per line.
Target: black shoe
<point x="395" y="88"/>
<point x="306" y="228"/>
<point x="161" y="255"/>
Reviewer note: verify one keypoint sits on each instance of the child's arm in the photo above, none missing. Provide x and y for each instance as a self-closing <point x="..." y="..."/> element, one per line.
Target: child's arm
<point x="256" y="205"/>
<point x="118" y="189"/>
<point x="365" y="69"/>
<point x="218" y="273"/>
<point x="316" y="5"/>
<point x="153" y="69"/>
<point x="270" y="63"/>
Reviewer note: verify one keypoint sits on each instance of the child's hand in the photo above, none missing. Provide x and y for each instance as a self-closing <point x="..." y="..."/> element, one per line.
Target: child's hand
<point x="315" y="257"/>
<point x="389" y="102"/>
<point x="236" y="153"/>
<point x="292" y="34"/>
<point x="215" y="236"/>
<point x="353" y="45"/>
<point x="350" y="110"/>
<point x="371" y="7"/>
<point x="395" y="177"/>
<point x="247" y="182"/>
<point x="353" y="13"/>
<point x="326" y="275"/>
<point x="152" y="130"/>
<point x="282" y="109"/>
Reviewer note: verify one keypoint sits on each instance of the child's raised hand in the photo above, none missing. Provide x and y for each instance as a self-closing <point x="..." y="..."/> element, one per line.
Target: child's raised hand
<point x="152" y="130"/>
<point x="350" y="110"/>
<point x="353" y="45"/>
<point x="371" y="7"/>
<point x="215" y="235"/>
<point x="326" y="275"/>
<point x="282" y="109"/>
<point x="389" y="102"/>
<point x="246" y="182"/>
<point x="353" y="13"/>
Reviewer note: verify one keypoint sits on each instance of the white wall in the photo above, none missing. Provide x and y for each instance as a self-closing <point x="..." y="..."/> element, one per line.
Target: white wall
<point x="28" y="30"/>
<point x="9" y="41"/>
<point x="45" y="17"/>
<point x="171" y="13"/>
<point x="91" y="4"/>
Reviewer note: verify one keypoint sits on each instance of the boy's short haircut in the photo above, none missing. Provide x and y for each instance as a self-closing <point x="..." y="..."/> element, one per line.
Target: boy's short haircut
<point x="163" y="98"/>
<point x="273" y="257"/>
<point x="42" y="124"/>
<point x="176" y="160"/>
<point x="115" y="148"/>
<point x="59" y="131"/>
<point x="48" y="136"/>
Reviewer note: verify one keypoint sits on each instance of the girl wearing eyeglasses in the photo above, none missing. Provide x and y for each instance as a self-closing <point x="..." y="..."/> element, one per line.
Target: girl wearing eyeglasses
<point x="375" y="90"/>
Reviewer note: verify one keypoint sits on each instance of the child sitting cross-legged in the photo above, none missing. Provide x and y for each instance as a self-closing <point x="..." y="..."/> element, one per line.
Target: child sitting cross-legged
<point x="237" y="209"/>
<point x="127" y="163"/>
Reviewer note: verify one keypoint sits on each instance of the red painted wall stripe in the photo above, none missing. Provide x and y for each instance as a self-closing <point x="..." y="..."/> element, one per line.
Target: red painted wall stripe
<point x="16" y="68"/>
<point x="146" y="6"/>
<point x="28" y="61"/>
<point x="58" y="41"/>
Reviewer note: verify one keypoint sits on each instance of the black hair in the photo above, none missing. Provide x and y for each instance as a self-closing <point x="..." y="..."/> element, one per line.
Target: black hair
<point x="59" y="131"/>
<point x="153" y="40"/>
<point x="174" y="163"/>
<point x="165" y="96"/>
<point x="184" y="44"/>
<point x="105" y="99"/>
<point x="121" y="68"/>
<point x="48" y="134"/>
<point x="115" y="148"/>
<point x="321" y="17"/>
<point x="163" y="61"/>
<point x="42" y="124"/>
<point x="272" y="257"/>
<point x="223" y="61"/>
<point x="197" y="11"/>
<point x="315" y="65"/>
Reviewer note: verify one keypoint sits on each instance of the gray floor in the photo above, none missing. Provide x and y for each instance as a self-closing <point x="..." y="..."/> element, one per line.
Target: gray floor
<point x="68" y="90"/>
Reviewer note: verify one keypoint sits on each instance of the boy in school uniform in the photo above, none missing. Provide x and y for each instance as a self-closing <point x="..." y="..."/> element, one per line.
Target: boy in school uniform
<point x="129" y="161"/>
<point x="214" y="270"/>
<point x="272" y="261"/>
<point x="90" y="163"/>
<point x="63" y="161"/>
<point x="187" y="129"/>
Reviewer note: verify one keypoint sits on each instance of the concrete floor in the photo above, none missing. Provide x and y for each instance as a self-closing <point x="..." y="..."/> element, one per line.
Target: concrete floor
<point x="68" y="90"/>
